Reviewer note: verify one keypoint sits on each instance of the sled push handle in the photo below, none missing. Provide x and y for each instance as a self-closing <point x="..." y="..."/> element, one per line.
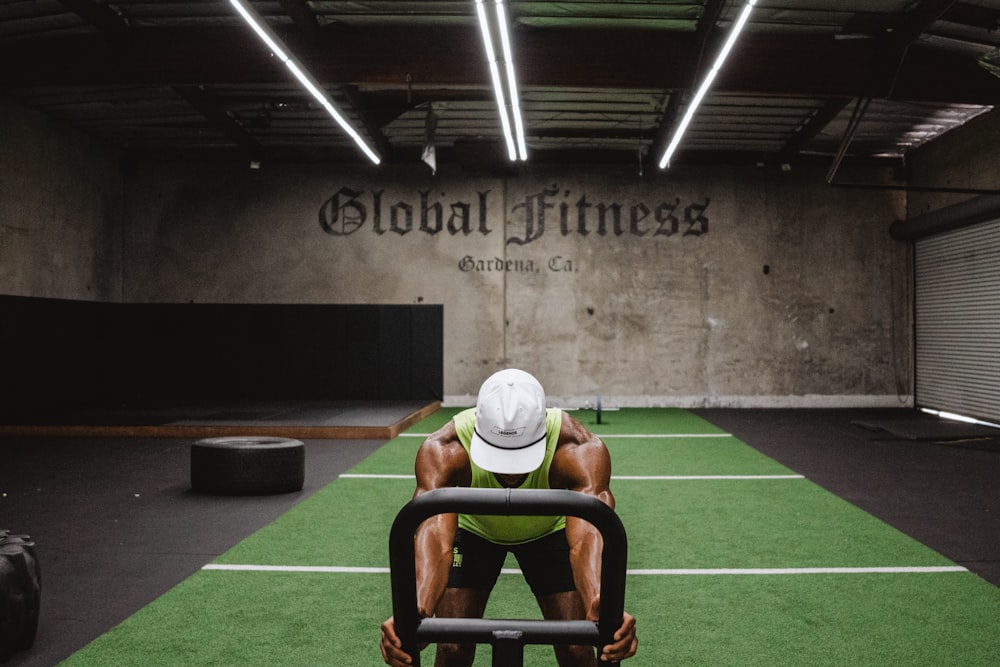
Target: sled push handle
<point x="508" y="637"/>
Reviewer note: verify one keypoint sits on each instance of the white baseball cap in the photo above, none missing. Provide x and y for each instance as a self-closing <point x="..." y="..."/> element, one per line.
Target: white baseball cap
<point x="510" y="423"/>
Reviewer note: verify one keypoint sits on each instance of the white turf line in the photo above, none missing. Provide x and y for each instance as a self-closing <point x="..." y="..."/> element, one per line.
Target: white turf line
<point x="618" y="435"/>
<point x="613" y="477"/>
<point x="660" y="572"/>
<point x="331" y="569"/>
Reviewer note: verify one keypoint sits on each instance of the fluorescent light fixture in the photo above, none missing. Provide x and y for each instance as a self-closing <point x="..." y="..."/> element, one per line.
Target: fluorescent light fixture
<point x="958" y="418"/>
<point x="515" y="102"/>
<point x="274" y="43"/>
<point x="734" y="33"/>
<point x="502" y="71"/>
<point x="484" y="28"/>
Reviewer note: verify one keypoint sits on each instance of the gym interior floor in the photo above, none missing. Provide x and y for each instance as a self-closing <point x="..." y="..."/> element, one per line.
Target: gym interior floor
<point x="117" y="525"/>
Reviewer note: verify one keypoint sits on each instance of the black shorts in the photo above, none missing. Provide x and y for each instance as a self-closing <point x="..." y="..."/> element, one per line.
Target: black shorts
<point x="476" y="563"/>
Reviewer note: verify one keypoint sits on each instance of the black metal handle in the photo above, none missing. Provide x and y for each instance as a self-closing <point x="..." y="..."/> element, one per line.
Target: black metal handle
<point x="507" y="502"/>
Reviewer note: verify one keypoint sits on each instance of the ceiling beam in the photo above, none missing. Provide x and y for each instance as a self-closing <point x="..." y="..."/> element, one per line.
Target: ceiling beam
<point x="916" y="21"/>
<point x="705" y="30"/>
<point x="706" y="24"/>
<point x="365" y="118"/>
<point x="302" y="16"/>
<point x="972" y="15"/>
<point x="843" y="68"/>
<point x="450" y="56"/>
<point x="894" y="45"/>
<point x="888" y="69"/>
<point x="811" y="128"/>
<point x="703" y="34"/>
<point x="671" y="113"/>
<point x="112" y="25"/>
<point x="101" y="16"/>
<point x="236" y="133"/>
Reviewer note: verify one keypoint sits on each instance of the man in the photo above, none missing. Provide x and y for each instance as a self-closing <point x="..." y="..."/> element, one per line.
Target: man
<point x="510" y="440"/>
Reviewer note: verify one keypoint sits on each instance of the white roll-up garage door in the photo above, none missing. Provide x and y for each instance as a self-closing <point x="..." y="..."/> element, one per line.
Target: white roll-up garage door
<point x="957" y="321"/>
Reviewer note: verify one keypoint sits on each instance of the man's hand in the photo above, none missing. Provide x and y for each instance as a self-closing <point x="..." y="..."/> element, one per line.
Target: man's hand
<point x="625" y="643"/>
<point x="392" y="646"/>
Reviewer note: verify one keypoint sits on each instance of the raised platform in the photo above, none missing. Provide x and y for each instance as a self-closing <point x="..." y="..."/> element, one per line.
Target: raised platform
<point x="369" y="420"/>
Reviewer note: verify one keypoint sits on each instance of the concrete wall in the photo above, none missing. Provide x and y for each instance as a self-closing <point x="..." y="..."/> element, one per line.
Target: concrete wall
<point x="968" y="157"/>
<point x="713" y="286"/>
<point x="60" y="210"/>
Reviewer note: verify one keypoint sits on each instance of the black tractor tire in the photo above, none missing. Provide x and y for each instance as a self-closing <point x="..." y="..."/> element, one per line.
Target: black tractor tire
<point x="20" y="594"/>
<point x="247" y="465"/>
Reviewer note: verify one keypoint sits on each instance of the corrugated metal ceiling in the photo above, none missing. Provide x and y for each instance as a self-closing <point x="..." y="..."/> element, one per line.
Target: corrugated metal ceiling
<point x="600" y="81"/>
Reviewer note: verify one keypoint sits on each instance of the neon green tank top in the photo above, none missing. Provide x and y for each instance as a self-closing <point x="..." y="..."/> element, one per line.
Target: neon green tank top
<point x="511" y="529"/>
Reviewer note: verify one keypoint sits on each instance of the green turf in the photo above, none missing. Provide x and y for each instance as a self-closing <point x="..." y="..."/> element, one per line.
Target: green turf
<point x="836" y="620"/>
<point x="645" y="420"/>
<point x="346" y="524"/>
<point x="675" y="524"/>
<point x="434" y="421"/>
<point x="851" y="619"/>
<point x="393" y="458"/>
<point x="757" y="524"/>
<point x="723" y="455"/>
<point x="660" y="456"/>
<point x="688" y="456"/>
<point x="243" y="619"/>
<point x="251" y="619"/>
<point x="625" y="420"/>
<point x="255" y="618"/>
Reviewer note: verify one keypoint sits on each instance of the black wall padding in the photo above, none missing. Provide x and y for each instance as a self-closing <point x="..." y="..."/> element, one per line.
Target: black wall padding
<point x="77" y="354"/>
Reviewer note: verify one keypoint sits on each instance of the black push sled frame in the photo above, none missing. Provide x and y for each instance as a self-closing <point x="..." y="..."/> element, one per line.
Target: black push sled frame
<point x="507" y="637"/>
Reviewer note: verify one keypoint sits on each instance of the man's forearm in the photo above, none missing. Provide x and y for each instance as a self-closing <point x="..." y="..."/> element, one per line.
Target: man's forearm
<point x="585" y="547"/>
<point x="433" y="547"/>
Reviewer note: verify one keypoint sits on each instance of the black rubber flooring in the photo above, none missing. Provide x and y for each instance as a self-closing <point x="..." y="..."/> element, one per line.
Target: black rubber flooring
<point x="934" y="480"/>
<point x="117" y="525"/>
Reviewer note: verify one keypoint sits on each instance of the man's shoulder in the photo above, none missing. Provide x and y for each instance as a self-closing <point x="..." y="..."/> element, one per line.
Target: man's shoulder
<point x="576" y="440"/>
<point x="572" y="431"/>
<point x="581" y="461"/>
<point x="441" y="459"/>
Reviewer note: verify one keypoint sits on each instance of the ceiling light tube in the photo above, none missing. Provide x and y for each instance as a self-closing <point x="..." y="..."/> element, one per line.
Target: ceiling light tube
<point x="274" y="43"/>
<point x="957" y="417"/>
<point x="508" y="104"/>
<point x="734" y="33"/>
<point x="508" y="58"/>
<point x="484" y="29"/>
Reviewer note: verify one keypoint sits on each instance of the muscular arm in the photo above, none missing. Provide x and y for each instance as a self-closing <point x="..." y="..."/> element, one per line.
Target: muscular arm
<point x="441" y="462"/>
<point x="582" y="464"/>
